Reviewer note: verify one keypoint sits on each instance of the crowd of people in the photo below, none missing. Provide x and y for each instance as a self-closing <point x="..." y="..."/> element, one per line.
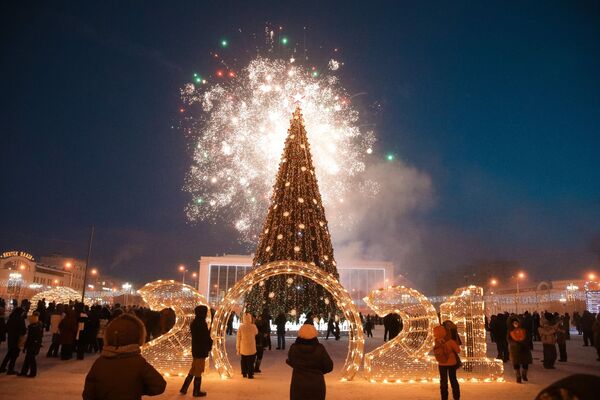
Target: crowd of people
<point x="118" y="333"/>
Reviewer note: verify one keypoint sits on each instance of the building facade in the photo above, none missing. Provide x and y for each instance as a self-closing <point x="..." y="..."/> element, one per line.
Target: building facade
<point x="21" y="275"/>
<point x="218" y="274"/>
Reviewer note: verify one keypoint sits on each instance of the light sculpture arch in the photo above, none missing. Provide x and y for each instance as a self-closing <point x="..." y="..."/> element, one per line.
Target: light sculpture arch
<point x="404" y="358"/>
<point x="171" y="353"/>
<point x="328" y="281"/>
<point x="59" y="294"/>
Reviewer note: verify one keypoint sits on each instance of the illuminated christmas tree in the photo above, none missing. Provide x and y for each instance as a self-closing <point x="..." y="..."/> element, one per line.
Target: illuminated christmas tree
<point x="295" y="229"/>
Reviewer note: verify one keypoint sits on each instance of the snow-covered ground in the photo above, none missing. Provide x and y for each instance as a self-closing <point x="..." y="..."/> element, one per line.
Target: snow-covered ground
<point x="64" y="379"/>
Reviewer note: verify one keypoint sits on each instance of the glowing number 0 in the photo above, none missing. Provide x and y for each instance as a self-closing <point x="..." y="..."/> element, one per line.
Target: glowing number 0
<point x="405" y="358"/>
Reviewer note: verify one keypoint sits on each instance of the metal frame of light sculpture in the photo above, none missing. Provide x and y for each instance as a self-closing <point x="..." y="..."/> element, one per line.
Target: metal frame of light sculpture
<point x="59" y="294"/>
<point x="405" y="358"/>
<point x="466" y="309"/>
<point x="171" y="353"/>
<point x="343" y="300"/>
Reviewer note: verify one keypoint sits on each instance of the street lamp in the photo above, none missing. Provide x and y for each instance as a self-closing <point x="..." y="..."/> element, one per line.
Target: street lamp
<point x="519" y="276"/>
<point x="194" y="275"/>
<point x="126" y="286"/>
<point x="183" y="270"/>
<point x="591" y="276"/>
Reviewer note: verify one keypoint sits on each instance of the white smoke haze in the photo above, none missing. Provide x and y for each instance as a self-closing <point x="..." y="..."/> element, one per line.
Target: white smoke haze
<point x="385" y="222"/>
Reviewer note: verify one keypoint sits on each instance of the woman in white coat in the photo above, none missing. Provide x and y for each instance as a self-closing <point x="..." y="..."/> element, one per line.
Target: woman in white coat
<point x="246" y="345"/>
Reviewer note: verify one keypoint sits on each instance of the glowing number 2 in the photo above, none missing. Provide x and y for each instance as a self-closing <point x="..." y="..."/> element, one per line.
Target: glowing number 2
<point x="405" y="358"/>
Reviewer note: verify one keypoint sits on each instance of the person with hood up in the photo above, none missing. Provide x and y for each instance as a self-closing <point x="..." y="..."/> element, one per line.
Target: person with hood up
<point x="518" y="349"/>
<point x="245" y="345"/>
<point x="201" y="346"/>
<point x="310" y="362"/>
<point x="446" y="352"/>
<point x="15" y="328"/>
<point x="548" y="336"/>
<point x="121" y="372"/>
<point x="33" y="343"/>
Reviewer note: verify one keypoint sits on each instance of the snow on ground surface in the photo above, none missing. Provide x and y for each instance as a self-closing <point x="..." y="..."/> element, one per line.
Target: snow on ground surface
<point x="64" y="379"/>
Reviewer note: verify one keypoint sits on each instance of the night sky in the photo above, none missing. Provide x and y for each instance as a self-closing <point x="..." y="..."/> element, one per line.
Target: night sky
<point x="498" y="103"/>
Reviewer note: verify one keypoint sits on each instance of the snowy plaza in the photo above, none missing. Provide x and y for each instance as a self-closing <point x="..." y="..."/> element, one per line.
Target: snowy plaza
<point x="64" y="379"/>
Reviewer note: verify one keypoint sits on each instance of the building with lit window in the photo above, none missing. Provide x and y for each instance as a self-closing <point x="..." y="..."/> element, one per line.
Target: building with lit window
<point x="217" y="274"/>
<point x="21" y="276"/>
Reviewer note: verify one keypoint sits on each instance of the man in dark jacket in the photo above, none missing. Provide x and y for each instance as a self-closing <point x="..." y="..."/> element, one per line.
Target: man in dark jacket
<point x="15" y="328"/>
<point x="201" y="346"/>
<point x="280" y="323"/>
<point x="310" y="362"/>
<point x="35" y="333"/>
<point x="121" y="372"/>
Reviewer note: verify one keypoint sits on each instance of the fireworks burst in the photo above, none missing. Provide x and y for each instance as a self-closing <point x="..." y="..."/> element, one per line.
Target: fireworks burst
<point x="239" y="136"/>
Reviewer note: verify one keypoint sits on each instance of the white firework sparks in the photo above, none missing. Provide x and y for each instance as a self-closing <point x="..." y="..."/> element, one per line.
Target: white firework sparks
<point x="241" y="134"/>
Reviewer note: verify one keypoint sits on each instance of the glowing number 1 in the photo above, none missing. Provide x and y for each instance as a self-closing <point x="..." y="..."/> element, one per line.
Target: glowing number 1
<point x="466" y="309"/>
<point x="405" y="358"/>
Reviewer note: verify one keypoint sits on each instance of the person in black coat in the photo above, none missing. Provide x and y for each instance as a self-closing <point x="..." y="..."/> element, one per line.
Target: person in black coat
<point x="15" y="328"/>
<point x="2" y="325"/>
<point x="280" y="323"/>
<point x="201" y="346"/>
<point x="310" y="362"/>
<point x="35" y="333"/>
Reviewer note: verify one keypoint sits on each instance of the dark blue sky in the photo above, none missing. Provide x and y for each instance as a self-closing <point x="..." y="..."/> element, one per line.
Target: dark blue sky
<point x="498" y="102"/>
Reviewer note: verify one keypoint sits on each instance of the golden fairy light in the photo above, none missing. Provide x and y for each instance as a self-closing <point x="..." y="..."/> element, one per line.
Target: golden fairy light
<point x="466" y="309"/>
<point x="60" y="294"/>
<point x="405" y="358"/>
<point x="171" y="353"/>
<point x="327" y="280"/>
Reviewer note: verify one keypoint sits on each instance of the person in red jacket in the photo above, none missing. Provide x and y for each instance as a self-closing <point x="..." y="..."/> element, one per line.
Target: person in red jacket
<point x="446" y="352"/>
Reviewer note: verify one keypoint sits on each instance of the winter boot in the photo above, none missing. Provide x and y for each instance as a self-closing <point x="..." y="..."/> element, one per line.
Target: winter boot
<point x="257" y="366"/>
<point x="197" y="384"/>
<point x="518" y="375"/>
<point x="186" y="384"/>
<point x="524" y="375"/>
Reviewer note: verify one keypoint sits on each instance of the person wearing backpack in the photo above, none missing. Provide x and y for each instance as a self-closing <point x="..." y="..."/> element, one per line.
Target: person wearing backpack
<point x="446" y="352"/>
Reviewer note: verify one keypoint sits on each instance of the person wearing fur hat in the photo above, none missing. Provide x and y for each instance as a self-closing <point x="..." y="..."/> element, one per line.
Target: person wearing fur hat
<point x="310" y="362"/>
<point x="446" y="351"/>
<point x="121" y="372"/>
<point x="33" y="343"/>
<point x="519" y="349"/>
<point x="245" y="345"/>
<point x="201" y="345"/>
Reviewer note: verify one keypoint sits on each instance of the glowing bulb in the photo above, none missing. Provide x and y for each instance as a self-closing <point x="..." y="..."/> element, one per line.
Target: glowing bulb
<point x="284" y="40"/>
<point x="224" y="43"/>
<point x="390" y="157"/>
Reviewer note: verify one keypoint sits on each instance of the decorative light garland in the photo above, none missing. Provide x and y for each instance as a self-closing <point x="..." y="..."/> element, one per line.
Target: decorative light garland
<point x="466" y="309"/>
<point x="59" y="295"/>
<point x="326" y="280"/>
<point x="404" y="358"/>
<point x="171" y="353"/>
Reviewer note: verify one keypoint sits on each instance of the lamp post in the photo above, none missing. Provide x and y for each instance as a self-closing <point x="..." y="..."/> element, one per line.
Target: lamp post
<point x="195" y="275"/>
<point x="126" y="287"/>
<point x="519" y="276"/>
<point x="183" y="270"/>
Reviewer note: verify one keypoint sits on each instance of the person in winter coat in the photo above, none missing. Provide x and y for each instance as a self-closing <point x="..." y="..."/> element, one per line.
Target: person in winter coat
<point x="82" y="329"/>
<point x="2" y="325"/>
<point x="548" y="336"/>
<point x="310" y="362"/>
<point x="587" y="322"/>
<point x="102" y="323"/>
<point x="245" y="345"/>
<point x="201" y="346"/>
<point x="330" y="327"/>
<point x="55" y="318"/>
<point x="121" y="372"/>
<point x="35" y="333"/>
<point x="561" y="340"/>
<point x="15" y="328"/>
<point x="262" y="338"/>
<point x="369" y="326"/>
<point x="67" y="329"/>
<point x="446" y="352"/>
<point x="596" y="331"/>
<point x="519" y="349"/>
<point x="280" y="323"/>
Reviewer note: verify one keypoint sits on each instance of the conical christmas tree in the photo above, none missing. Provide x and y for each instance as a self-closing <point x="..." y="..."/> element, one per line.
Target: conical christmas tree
<point x="295" y="229"/>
